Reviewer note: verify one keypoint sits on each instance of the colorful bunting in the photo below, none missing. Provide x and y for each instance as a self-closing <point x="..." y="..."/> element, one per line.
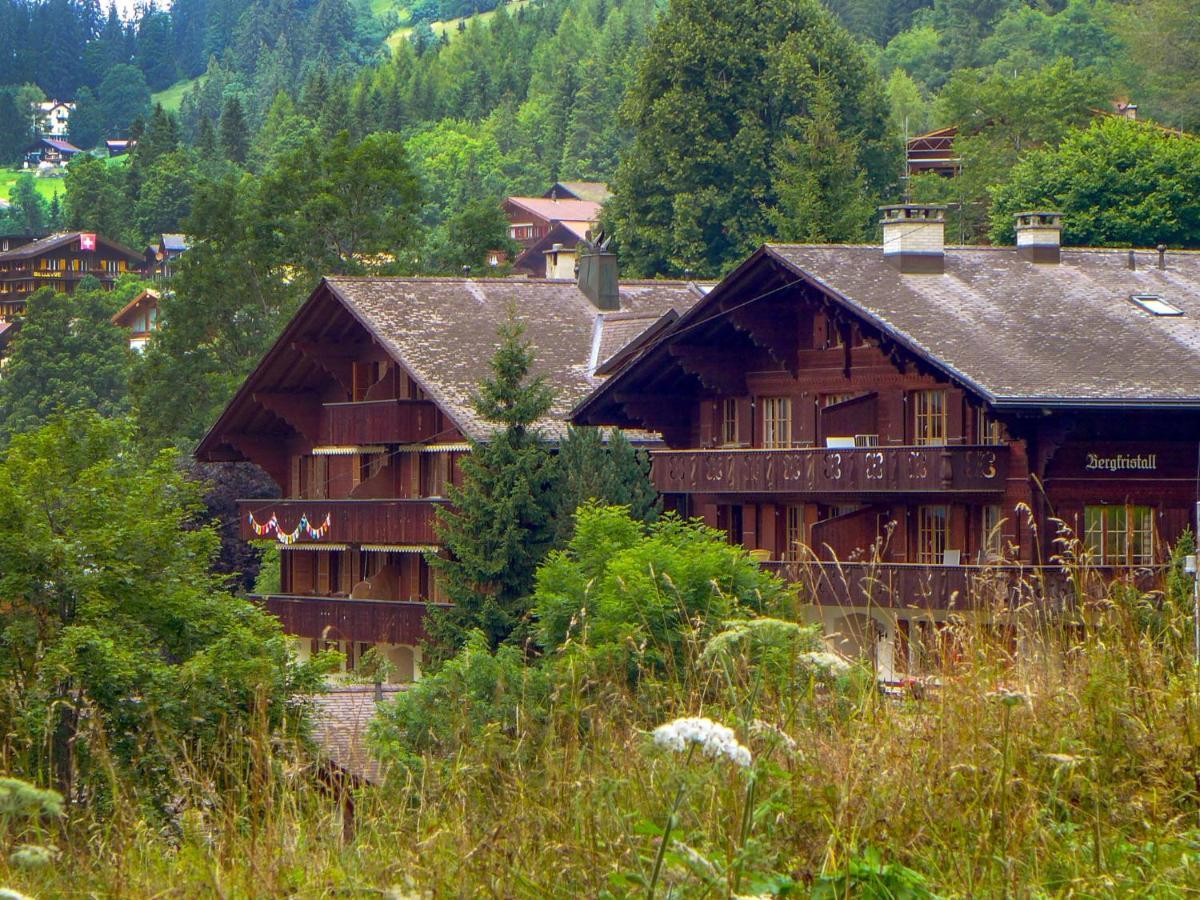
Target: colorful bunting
<point x="284" y="537"/>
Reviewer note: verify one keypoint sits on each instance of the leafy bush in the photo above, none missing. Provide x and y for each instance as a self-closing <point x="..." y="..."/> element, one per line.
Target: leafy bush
<point x="623" y="585"/>
<point x="473" y="691"/>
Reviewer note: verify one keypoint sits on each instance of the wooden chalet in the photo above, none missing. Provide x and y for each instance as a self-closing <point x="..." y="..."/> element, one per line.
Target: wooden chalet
<point x="915" y="430"/>
<point x="167" y="252"/>
<point x="361" y="412"/>
<point x="140" y="318"/>
<point x="61" y="261"/>
<point x="933" y="152"/>
<point x="50" y="151"/>
<point x="531" y="218"/>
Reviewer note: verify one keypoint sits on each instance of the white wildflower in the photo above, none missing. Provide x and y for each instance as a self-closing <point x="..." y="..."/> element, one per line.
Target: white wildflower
<point x="828" y="663"/>
<point x="764" y="729"/>
<point x="714" y="739"/>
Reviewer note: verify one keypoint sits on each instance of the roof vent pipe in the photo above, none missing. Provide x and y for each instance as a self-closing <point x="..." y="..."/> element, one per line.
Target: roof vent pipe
<point x="1132" y="261"/>
<point x="1039" y="236"/>
<point x="1162" y="256"/>
<point x="914" y="238"/>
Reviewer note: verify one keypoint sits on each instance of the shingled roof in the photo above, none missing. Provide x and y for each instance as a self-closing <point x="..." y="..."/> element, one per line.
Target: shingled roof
<point x="1021" y="333"/>
<point x="62" y="240"/>
<point x="443" y="331"/>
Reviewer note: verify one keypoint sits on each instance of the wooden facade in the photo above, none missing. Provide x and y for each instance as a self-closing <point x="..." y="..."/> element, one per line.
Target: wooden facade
<point x="361" y="413"/>
<point x="857" y="467"/>
<point x="61" y="261"/>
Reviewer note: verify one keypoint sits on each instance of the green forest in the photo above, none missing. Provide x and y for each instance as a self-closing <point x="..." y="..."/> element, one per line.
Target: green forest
<point x="630" y="708"/>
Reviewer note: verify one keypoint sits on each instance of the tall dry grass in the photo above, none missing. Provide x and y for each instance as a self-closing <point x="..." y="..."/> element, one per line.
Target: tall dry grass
<point x="1070" y="768"/>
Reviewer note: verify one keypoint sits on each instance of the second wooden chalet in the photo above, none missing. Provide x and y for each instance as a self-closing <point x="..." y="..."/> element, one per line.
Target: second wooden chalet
<point x="361" y="412"/>
<point x="912" y="430"/>
<point x="60" y="261"/>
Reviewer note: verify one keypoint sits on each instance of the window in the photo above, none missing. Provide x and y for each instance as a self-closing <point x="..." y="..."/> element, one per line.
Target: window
<point x="777" y="421"/>
<point x="1119" y="535"/>
<point x="435" y="474"/>
<point x="987" y="429"/>
<point x="1155" y="305"/>
<point x="830" y="399"/>
<point x="793" y="531"/>
<point x="991" y="541"/>
<point x="929" y="417"/>
<point x="729" y="422"/>
<point x="932" y="534"/>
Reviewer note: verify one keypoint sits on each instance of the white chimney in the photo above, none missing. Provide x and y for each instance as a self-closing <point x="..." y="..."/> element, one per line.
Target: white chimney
<point x="914" y="238"/>
<point x="560" y="262"/>
<point x="1039" y="236"/>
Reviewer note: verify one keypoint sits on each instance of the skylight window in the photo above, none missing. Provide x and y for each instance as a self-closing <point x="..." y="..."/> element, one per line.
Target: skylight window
<point x="1155" y="305"/>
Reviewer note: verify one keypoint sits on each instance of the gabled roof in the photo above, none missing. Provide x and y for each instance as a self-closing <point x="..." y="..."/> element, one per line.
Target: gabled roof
<point x="557" y="210"/>
<point x="595" y="191"/>
<point x="175" y="242"/>
<point x="57" y="143"/>
<point x="341" y="717"/>
<point x="62" y="240"/>
<point x="119" y="315"/>
<point x="1015" y="333"/>
<point x="567" y="233"/>
<point x="442" y="331"/>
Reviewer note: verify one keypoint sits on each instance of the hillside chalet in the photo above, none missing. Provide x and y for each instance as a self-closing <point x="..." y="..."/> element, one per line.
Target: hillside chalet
<point x="48" y="152"/>
<point x="60" y="261"/>
<point x="361" y="412"/>
<point x="915" y="431"/>
<point x="139" y="317"/>
<point x="561" y="216"/>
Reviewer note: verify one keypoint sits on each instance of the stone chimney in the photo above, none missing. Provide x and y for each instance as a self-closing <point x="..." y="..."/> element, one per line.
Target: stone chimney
<point x="1039" y="236"/>
<point x="914" y="238"/>
<point x="598" y="275"/>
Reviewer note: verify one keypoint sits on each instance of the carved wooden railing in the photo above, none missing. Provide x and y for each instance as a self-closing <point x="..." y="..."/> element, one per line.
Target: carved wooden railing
<point x="856" y="470"/>
<point x="341" y="619"/>
<point x="942" y="587"/>
<point x="349" y="521"/>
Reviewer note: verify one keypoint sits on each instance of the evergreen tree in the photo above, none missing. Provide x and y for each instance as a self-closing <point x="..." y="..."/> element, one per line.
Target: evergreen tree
<point x="613" y="473"/>
<point x="234" y="134"/>
<point x="14" y="129"/>
<point x="499" y="524"/>
<point x="695" y="189"/>
<point x="67" y="355"/>
<point x="29" y="209"/>
<point x="87" y="122"/>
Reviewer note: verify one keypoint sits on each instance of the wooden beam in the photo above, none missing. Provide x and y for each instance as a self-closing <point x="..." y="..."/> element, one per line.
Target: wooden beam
<point x="774" y="326"/>
<point x="720" y="370"/>
<point x="268" y="454"/>
<point x="300" y="410"/>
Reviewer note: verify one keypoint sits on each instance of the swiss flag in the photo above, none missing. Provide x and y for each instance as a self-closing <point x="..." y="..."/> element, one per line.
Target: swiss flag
<point x="87" y="242"/>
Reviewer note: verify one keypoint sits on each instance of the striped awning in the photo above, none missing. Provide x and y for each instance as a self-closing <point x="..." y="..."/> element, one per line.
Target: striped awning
<point x="400" y="548"/>
<point x="348" y="449"/>
<point x="461" y="447"/>
<point x="313" y="546"/>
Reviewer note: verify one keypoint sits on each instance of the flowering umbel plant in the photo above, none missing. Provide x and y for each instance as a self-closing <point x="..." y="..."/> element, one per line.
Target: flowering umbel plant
<point x="714" y="740"/>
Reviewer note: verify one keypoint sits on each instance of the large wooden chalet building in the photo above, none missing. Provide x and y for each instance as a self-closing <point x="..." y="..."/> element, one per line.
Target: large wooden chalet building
<point x="59" y="261"/>
<point x="912" y="430"/>
<point x="361" y="412"/>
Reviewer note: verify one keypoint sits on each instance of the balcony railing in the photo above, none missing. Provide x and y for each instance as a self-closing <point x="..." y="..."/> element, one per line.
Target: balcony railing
<point x="340" y="521"/>
<point x="336" y="619"/>
<point x="902" y="585"/>
<point x="852" y="470"/>
<point x="379" y="422"/>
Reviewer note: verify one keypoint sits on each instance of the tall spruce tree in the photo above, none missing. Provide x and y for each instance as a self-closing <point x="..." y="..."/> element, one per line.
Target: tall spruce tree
<point x="234" y="136"/>
<point x="499" y="525"/>
<point x="613" y="472"/>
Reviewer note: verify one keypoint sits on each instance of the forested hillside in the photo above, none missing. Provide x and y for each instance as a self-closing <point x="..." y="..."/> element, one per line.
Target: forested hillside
<point x="304" y="146"/>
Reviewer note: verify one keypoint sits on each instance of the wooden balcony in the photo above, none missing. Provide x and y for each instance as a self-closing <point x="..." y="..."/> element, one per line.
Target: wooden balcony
<point x="350" y="521"/>
<point x="339" y="619"/>
<point x="379" y="422"/>
<point x="913" y="585"/>
<point x="854" y="470"/>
